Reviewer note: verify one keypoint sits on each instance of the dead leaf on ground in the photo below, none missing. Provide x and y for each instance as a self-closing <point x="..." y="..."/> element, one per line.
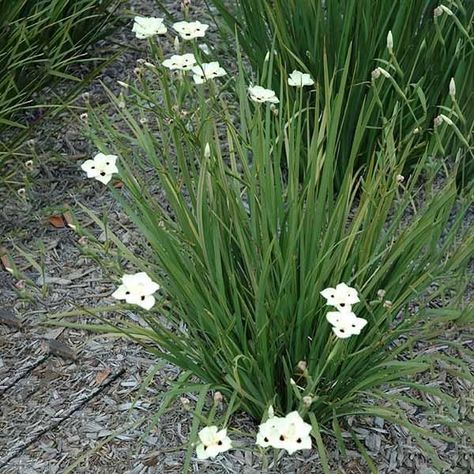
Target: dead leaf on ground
<point x="56" y="221"/>
<point x="101" y="376"/>
<point x="69" y="220"/>
<point x="5" y="259"/>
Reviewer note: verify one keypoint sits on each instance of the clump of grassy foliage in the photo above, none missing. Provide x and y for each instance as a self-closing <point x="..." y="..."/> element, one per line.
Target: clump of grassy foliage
<point x="244" y="233"/>
<point x="432" y="43"/>
<point x="39" y="41"/>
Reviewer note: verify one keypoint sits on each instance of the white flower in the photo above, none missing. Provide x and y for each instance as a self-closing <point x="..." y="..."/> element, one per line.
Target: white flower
<point x="206" y="71"/>
<point x="346" y="324"/>
<point x="290" y="433"/>
<point x="101" y="167"/>
<point x="299" y="79"/>
<point x="190" y="30"/>
<point x="269" y="432"/>
<point x="260" y="94"/>
<point x="183" y="62"/>
<point x="213" y="442"/>
<point x="144" y="27"/>
<point x="137" y="289"/>
<point x="342" y="297"/>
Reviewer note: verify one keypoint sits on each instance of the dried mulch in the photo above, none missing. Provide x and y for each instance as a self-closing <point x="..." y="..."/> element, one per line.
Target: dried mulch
<point x="71" y="400"/>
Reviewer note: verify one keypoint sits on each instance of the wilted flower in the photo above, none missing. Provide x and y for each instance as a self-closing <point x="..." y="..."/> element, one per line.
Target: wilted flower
<point x="438" y="11"/>
<point x="21" y="192"/>
<point x="189" y="30"/>
<point x="184" y="62"/>
<point x="380" y="71"/>
<point x="440" y="119"/>
<point x="452" y="88"/>
<point x="342" y="297"/>
<point x="381" y="293"/>
<point x="101" y="167"/>
<point x="29" y="164"/>
<point x="144" y="27"/>
<point x="137" y="289"/>
<point x="206" y="71"/>
<point x="446" y="10"/>
<point x="260" y="94"/>
<point x="299" y="79"/>
<point x="302" y="365"/>
<point x="290" y="433"/>
<point x="400" y="178"/>
<point x="345" y="324"/>
<point x="84" y="117"/>
<point x="218" y="397"/>
<point x="204" y="48"/>
<point x="307" y="401"/>
<point x="185" y="402"/>
<point x="213" y="442"/>
<point x="387" y="304"/>
<point x="390" y="41"/>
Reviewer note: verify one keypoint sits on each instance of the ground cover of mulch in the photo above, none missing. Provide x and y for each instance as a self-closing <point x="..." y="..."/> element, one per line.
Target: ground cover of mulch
<point x="71" y="401"/>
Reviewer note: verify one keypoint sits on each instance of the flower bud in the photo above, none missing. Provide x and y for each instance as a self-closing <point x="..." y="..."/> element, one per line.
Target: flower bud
<point x="267" y="56"/>
<point x="452" y="88"/>
<point x="218" y="397"/>
<point x="438" y="11"/>
<point x="416" y="130"/>
<point x="387" y="304"/>
<point x="147" y="64"/>
<point x="123" y="84"/>
<point x="390" y="41"/>
<point x="292" y="382"/>
<point x="207" y="151"/>
<point x="176" y="44"/>
<point x="381" y="293"/>
<point x="446" y="119"/>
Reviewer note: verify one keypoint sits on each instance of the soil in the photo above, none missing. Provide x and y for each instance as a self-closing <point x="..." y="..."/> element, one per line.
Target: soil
<point x="75" y="401"/>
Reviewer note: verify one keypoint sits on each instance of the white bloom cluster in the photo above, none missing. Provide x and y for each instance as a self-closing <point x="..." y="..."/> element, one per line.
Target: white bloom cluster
<point x="101" y="167"/>
<point x="299" y="79"/>
<point x="212" y="442"/>
<point x="137" y="289"/>
<point x="206" y="71"/>
<point x="183" y="62"/>
<point x="260" y="94"/>
<point x="290" y="432"/>
<point x="146" y="27"/>
<point x="189" y="30"/>
<point x="344" y="322"/>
